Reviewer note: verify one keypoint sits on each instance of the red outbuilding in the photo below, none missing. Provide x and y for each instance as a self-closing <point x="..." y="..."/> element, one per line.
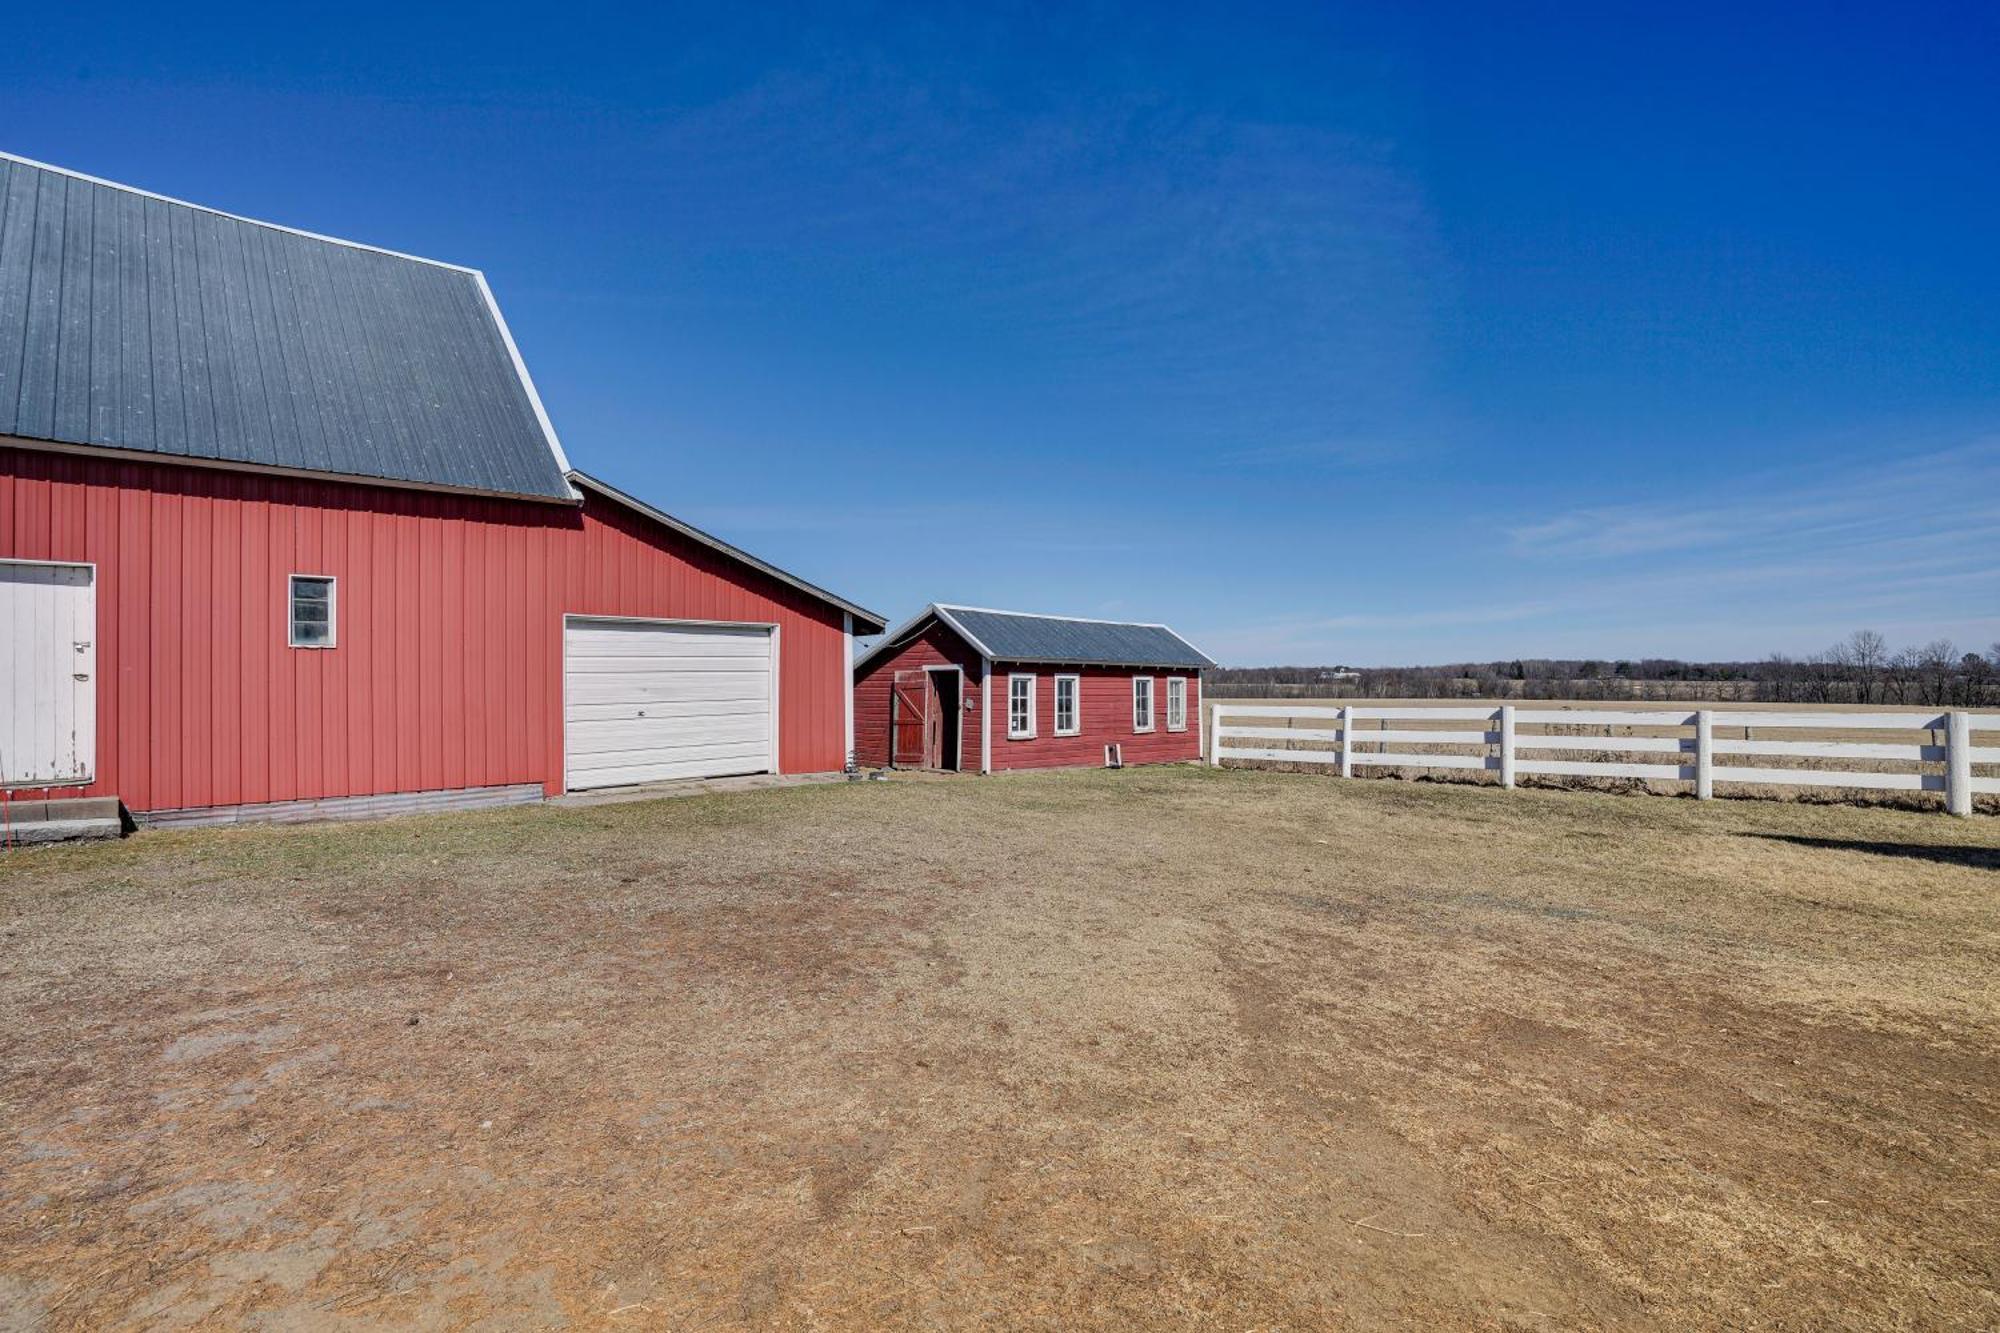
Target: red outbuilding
<point x="285" y="529"/>
<point x="966" y="689"/>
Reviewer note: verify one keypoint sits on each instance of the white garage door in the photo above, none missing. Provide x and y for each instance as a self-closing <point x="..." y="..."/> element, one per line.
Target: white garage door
<point x="649" y="701"/>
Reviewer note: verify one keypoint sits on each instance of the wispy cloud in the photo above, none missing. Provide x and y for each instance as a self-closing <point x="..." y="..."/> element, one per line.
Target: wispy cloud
<point x="1950" y="498"/>
<point x="1789" y="561"/>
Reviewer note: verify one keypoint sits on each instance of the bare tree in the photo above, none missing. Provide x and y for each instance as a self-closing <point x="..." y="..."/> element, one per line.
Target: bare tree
<point x="1903" y="678"/>
<point x="1864" y="654"/>
<point x="1977" y="675"/>
<point x="1940" y="665"/>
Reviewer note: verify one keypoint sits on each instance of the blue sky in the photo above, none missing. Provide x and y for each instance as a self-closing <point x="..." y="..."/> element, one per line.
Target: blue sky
<point x="1322" y="332"/>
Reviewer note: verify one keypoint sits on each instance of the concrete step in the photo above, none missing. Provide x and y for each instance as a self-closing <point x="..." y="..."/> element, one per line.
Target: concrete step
<point x="81" y="818"/>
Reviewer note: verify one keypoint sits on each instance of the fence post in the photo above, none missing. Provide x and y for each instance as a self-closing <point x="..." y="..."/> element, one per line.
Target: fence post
<point x="1214" y="739"/>
<point x="1958" y="764"/>
<point x="1347" y="740"/>
<point x="1704" y="755"/>
<point x="1506" y="745"/>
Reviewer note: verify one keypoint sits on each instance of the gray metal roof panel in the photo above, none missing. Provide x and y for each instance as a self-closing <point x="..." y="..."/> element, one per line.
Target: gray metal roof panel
<point x="1017" y="636"/>
<point x="128" y="321"/>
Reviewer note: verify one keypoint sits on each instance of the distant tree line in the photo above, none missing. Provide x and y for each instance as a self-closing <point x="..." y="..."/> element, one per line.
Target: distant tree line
<point x="1860" y="669"/>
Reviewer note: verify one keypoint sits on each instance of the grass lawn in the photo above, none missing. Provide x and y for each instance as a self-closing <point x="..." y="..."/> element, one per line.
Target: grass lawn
<point x="1170" y="1047"/>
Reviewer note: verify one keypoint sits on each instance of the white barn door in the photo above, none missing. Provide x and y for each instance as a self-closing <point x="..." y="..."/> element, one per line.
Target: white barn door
<point x="48" y="674"/>
<point x="652" y="701"/>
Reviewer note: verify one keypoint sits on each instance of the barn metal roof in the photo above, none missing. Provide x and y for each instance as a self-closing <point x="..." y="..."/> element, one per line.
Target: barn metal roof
<point x="129" y="321"/>
<point x="865" y="621"/>
<point x="1022" y="636"/>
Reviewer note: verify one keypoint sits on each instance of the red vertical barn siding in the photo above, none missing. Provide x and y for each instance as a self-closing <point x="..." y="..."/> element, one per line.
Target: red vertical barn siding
<point x="935" y="646"/>
<point x="447" y="669"/>
<point x="1105" y="701"/>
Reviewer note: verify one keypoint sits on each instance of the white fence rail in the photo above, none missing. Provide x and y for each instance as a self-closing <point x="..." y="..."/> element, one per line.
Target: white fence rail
<point x="1362" y="735"/>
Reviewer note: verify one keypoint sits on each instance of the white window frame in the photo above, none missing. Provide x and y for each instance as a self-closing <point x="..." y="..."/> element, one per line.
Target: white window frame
<point x="1152" y="704"/>
<point x="1029" y="733"/>
<point x="1177" y="684"/>
<point x="332" y="610"/>
<point x="1075" y="727"/>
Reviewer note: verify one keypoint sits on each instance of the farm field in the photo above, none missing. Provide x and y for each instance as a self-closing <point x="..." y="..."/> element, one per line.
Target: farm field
<point x="1682" y="707"/>
<point x="1155" y="1048"/>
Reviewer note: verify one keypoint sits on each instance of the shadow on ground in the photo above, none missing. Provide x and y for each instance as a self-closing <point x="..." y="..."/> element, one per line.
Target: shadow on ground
<point x="1975" y="858"/>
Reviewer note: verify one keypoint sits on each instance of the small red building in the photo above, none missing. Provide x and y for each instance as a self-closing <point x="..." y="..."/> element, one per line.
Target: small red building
<point x="966" y="689"/>
<point x="285" y="530"/>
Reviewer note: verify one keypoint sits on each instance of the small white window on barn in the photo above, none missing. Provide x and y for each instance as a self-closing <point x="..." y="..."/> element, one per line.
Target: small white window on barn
<point x="1142" y="703"/>
<point x="1020" y="707"/>
<point x="1069" y="712"/>
<point x="311" y="615"/>
<point x="1176" y="703"/>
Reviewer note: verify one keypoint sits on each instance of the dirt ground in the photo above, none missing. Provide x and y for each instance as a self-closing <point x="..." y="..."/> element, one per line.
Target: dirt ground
<point x="1159" y="1048"/>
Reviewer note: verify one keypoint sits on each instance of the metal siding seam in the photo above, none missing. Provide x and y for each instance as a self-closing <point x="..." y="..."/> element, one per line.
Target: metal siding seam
<point x="287" y="332"/>
<point x="17" y="216"/>
<point x="103" y="395"/>
<point x="170" y="418"/>
<point x="246" y="352"/>
<point x="36" y="409"/>
<point x="419" y="393"/>
<point x="135" y="377"/>
<point x="196" y="391"/>
<point x="232" y="438"/>
<point x="361" y="444"/>
<point x="453" y="670"/>
<point x="72" y="386"/>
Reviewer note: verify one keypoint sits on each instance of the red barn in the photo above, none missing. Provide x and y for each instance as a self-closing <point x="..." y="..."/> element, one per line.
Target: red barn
<point x="966" y="689"/>
<point x="285" y="529"/>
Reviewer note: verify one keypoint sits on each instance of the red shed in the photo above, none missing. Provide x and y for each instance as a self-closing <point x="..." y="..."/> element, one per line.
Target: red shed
<point x="284" y="529"/>
<point x="964" y="688"/>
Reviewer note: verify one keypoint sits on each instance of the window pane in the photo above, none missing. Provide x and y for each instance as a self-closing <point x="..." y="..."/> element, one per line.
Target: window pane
<point x="311" y="619"/>
<point x="1020" y="705"/>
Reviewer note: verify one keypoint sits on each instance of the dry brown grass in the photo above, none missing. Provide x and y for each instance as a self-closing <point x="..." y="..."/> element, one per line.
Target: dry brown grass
<point x="1157" y="1048"/>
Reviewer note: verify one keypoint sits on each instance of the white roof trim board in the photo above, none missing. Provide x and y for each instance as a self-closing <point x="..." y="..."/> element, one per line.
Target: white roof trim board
<point x="1058" y="641"/>
<point x="527" y="380"/>
<point x="134" y="321"/>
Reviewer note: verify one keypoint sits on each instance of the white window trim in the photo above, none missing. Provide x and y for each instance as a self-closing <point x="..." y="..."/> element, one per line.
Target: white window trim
<point x="1075" y="727"/>
<point x="1012" y="734"/>
<point x="332" y="611"/>
<point x="1152" y="705"/>
<point x="1172" y="681"/>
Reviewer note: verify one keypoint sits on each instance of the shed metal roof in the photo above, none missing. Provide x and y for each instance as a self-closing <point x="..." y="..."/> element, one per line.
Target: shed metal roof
<point x="134" y="322"/>
<point x="1022" y="636"/>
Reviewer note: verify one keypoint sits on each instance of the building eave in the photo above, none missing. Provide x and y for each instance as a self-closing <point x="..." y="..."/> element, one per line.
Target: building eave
<point x="272" y="470"/>
<point x="865" y="621"/>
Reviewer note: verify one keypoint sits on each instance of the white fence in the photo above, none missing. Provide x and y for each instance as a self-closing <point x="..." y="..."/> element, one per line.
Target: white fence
<point x="1511" y="741"/>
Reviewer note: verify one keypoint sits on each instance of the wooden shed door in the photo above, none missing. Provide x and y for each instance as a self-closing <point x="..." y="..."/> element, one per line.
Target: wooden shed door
<point x="48" y="674"/>
<point x="910" y="719"/>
